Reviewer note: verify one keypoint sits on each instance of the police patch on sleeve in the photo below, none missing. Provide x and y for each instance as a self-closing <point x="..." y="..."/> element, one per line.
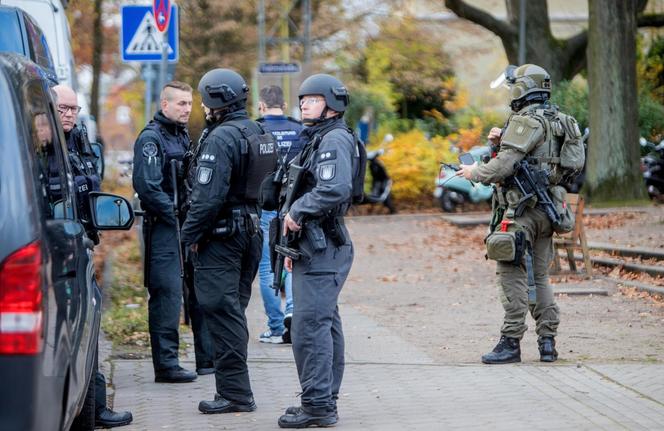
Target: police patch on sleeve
<point x="204" y="175"/>
<point x="326" y="172"/>
<point x="150" y="149"/>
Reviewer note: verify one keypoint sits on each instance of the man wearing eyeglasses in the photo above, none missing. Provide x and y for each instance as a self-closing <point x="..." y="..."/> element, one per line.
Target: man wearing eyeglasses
<point x="81" y="156"/>
<point x="86" y="180"/>
<point x="331" y="164"/>
<point x="77" y="139"/>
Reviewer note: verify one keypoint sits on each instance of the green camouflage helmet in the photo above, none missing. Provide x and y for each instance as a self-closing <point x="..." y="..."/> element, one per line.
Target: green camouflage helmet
<point x="528" y="79"/>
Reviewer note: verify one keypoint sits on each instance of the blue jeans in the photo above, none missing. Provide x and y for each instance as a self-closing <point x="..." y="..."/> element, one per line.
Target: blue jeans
<point x="272" y="302"/>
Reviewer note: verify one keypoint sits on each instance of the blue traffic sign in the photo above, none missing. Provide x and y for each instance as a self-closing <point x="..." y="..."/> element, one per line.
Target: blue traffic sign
<point x="141" y="41"/>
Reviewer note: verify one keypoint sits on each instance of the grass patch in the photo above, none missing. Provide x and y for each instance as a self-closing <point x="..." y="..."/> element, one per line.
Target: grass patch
<point x="125" y="321"/>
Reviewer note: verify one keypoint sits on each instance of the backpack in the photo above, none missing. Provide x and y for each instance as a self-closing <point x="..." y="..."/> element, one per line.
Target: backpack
<point x="572" y="151"/>
<point x="565" y="148"/>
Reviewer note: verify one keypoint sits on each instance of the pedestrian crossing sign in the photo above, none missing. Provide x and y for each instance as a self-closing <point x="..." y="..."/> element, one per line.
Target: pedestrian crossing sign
<point x="140" y="39"/>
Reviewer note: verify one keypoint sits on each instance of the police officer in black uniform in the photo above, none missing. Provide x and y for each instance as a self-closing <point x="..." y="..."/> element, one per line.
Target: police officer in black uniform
<point x="332" y="165"/>
<point x="165" y="138"/>
<point x="86" y="179"/>
<point x="222" y="229"/>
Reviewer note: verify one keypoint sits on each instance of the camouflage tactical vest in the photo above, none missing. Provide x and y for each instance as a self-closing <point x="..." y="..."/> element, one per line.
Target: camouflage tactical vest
<point x="561" y="151"/>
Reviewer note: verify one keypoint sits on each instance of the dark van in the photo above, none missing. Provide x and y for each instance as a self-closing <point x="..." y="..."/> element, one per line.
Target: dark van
<point x="21" y="34"/>
<point x="49" y="306"/>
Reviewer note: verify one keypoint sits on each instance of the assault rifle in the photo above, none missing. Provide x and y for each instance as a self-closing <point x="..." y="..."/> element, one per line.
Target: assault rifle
<point x="284" y="246"/>
<point x="534" y="182"/>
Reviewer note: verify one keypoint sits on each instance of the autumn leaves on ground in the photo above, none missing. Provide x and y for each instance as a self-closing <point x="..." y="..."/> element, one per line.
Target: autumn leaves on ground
<point x="428" y="281"/>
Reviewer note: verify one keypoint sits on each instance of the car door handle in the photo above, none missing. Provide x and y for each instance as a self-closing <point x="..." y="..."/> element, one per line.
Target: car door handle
<point x="88" y="243"/>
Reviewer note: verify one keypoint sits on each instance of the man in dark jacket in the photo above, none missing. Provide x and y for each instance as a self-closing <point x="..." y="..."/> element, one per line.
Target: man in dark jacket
<point x="87" y="179"/>
<point x="163" y="140"/>
<point x="286" y="132"/>
<point x="330" y="163"/>
<point x="222" y="229"/>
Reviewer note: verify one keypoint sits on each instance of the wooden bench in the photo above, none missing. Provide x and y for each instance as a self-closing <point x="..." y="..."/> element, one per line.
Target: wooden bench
<point x="575" y="240"/>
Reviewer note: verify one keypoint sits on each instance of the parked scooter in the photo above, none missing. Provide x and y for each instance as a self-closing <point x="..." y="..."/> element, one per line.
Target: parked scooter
<point x="652" y="166"/>
<point x="381" y="183"/>
<point x="452" y="191"/>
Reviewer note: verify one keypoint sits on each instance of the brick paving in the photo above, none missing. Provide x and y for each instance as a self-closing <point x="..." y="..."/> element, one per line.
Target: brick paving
<point x="391" y="385"/>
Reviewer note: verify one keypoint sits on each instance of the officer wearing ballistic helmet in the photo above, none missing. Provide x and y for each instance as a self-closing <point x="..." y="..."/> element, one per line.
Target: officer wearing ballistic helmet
<point x="222" y="229"/>
<point x="325" y="171"/>
<point x="538" y="150"/>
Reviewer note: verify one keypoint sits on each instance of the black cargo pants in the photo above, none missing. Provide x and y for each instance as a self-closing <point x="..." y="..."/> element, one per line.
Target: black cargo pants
<point x="224" y="271"/>
<point x="202" y="340"/>
<point x="165" y="299"/>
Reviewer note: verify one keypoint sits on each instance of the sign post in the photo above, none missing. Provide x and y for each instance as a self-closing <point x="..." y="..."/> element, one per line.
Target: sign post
<point x="149" y="34"/>
<point x="161" y="9"/>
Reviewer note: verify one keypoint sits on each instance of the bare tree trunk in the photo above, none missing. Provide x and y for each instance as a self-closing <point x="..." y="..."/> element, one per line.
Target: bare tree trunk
<point x="613" y="154"/>
<point x="97" y="51"/>
<point x="562" y="58"/>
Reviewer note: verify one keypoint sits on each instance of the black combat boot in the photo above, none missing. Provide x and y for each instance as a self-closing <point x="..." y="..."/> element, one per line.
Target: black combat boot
<point x="506" y="351"/>
<point x="296" y="410"/>
<point x="222" y="405"/>
<point x="107" y="418"/>
<point x="547" y="349"/>
<point x="303" y="419"/>
<point x="176" y="374"/>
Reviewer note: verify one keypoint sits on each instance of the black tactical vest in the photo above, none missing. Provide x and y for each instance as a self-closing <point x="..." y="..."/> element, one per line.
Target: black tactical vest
<point x="173" y="147"/>
<point x="310" y="150"/>
<point x="258" y="158"/>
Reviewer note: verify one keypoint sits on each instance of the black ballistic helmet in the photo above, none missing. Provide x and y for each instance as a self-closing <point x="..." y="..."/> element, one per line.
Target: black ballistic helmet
<point x="333" y="90"/>
<point x="220" y="88"/>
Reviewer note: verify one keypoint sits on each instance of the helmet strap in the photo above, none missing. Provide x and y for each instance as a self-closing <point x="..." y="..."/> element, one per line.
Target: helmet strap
<point x="519" y="104"/>
<point x="313" y="121"/>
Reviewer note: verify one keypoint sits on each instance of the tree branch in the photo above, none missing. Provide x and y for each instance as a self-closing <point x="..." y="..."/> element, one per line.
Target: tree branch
<point x="650" y="20"/>
<point x="463" y="10"/>
<point x="575" y="48"/>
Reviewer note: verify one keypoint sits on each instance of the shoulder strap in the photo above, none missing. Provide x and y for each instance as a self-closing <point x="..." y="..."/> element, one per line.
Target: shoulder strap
<point x="243" y="129"/>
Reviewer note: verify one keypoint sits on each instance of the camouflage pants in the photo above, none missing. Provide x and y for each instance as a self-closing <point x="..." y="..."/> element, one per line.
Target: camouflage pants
<point x="513" y="281"/>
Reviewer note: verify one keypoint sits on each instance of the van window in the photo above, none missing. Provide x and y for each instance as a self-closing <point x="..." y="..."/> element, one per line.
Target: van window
<point x="12" y="39"/>
<point x="41" y="54"/>
<point x="50" y="168"/>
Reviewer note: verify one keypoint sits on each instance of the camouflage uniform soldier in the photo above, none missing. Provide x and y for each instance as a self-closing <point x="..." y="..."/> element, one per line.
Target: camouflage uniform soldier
<point x="520" y="238"/>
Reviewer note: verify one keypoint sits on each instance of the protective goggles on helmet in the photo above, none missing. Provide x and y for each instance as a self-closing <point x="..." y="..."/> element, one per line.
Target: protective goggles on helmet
<point x="505" y="79"/>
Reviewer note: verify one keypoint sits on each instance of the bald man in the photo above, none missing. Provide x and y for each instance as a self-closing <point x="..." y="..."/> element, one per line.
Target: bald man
<point x="81" y="156"/>
<point x="86" y="179"/>
<point x="77" y="140"/>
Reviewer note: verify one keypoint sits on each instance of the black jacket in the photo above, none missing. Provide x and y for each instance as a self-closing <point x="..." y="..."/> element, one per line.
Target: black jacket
<point x="161" y="141"/>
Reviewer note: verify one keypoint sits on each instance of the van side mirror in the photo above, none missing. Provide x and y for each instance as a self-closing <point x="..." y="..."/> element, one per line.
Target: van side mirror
<point x="110" y="212"/>
<point x="100" y="166"/>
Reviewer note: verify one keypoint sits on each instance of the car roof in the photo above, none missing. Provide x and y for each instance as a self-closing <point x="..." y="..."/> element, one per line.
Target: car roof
<point x="20" y="69"/>
<point x="25" y="16"/>
<point x="51" y="18"/>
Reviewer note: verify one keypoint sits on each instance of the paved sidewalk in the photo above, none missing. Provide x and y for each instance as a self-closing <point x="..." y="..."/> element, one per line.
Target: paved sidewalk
<point x="391" y="385"/>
